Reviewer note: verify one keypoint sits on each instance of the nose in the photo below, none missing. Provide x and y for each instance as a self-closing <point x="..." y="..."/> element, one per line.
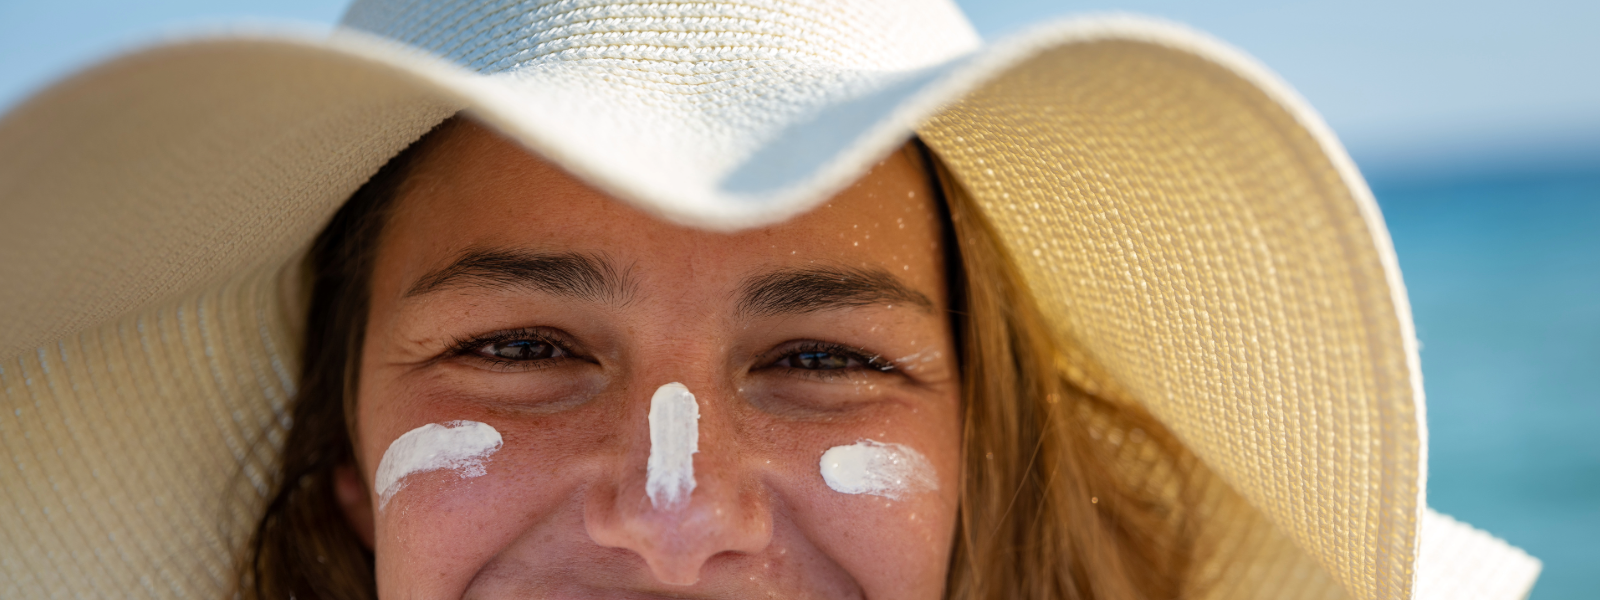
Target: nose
<point x="725" y="510"/>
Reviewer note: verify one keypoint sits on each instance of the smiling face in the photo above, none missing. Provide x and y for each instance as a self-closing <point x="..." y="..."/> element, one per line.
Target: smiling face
<point x="507" y="293"/>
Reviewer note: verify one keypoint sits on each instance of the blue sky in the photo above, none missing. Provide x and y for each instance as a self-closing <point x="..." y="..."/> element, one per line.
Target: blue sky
<point x="1405" y="83"/>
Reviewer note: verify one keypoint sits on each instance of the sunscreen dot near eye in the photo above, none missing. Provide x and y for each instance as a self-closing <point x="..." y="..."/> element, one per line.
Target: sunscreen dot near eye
<point x="461" y="446"/>
<point x="875" y="468"/>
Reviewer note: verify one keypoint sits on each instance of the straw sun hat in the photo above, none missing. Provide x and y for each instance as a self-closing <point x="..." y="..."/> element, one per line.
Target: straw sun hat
<point x="1180" y="213"/>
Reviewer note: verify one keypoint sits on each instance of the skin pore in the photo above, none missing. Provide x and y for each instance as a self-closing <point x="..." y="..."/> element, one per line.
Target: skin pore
<point x="509" y="293"/>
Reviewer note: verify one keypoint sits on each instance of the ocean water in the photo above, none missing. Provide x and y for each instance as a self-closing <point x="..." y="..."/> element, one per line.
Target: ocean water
<point x="1503" y="272"/>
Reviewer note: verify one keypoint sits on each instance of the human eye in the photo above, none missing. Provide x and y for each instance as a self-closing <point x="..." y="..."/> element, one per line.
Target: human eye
<point x="514" y="350"/>
<point x="820" y="359"/>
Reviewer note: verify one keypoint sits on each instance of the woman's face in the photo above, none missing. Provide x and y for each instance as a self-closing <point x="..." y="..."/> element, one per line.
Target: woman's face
<point x="505" y="292"/>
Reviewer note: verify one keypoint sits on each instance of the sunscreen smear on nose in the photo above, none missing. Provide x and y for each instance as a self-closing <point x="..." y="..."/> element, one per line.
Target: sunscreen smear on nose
<point x="674" y="439"/>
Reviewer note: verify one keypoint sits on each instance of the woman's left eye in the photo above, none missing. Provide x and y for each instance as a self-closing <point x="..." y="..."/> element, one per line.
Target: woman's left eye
<point x="520" y="350"/>
<point x="830" y="359"/>
<point x="819" y="361"/>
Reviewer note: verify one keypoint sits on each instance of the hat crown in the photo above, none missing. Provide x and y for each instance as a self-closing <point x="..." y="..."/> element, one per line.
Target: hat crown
<point x="492" y="36"/>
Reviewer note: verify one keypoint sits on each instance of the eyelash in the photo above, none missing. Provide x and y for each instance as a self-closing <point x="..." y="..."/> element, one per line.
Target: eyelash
<point x="469" y="348"/>
<point x="869" y="362"/>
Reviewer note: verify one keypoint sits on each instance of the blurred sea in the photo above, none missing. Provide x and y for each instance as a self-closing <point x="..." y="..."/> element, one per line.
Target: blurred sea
<point x="1503" y="271"/>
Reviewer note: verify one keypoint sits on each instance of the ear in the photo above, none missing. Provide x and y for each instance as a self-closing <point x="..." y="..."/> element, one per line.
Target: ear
<point x="351" y="491"/>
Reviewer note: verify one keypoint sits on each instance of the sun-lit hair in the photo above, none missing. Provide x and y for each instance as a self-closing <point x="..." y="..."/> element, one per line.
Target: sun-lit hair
<point x="1051" y="506"/>
<point x="1054" y="503"/>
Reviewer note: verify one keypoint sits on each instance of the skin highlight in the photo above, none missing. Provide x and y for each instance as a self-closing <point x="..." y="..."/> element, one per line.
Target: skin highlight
<point x="507" y="292"/>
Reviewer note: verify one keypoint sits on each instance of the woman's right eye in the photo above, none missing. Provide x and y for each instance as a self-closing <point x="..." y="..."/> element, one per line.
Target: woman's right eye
<point x="521" y="350"/>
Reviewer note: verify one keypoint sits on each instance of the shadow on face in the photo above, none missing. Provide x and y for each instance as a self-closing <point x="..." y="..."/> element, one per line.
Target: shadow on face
<point x="505" y="292"/>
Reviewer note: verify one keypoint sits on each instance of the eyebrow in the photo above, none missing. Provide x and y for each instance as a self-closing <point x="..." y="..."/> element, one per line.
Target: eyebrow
<point x="799" y="291"/>
<point x="582" y="276"/>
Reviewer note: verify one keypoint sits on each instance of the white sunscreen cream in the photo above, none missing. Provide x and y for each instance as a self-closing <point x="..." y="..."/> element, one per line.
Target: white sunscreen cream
<point x="674" y="439"/>
<point x="458" y="445"/>
<point x="869" y="467"/>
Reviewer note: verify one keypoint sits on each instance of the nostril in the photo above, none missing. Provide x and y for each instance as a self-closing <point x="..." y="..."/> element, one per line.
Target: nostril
<point x="677" y="544"/>
<point x="689" y="507"/>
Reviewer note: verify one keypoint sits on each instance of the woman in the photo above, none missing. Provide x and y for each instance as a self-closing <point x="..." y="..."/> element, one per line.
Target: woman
<point x="1158" y="349"/>
<point x="469" y="280"/>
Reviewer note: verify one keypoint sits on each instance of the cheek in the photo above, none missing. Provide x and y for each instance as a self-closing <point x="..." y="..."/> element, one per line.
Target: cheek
<point x="440" y="529"/>
<point x="888" y="544"/>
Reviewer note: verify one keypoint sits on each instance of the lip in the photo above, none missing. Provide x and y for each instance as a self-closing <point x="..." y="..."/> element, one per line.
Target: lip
<point x="580" y="591"/>
<point x="599" y="573"/>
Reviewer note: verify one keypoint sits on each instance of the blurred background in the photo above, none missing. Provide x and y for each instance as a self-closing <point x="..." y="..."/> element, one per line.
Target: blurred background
<point x="1477" y="125"/>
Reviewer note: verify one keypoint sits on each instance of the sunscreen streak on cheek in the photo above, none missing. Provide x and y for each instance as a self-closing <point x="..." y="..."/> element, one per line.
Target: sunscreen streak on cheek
<point x="458" y="445"/>
<point x="876" y="468"/>
<point x="674" y="439"/>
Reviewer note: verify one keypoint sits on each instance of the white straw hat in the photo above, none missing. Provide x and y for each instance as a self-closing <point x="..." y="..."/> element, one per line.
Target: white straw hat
<point x="1180" y="213"/>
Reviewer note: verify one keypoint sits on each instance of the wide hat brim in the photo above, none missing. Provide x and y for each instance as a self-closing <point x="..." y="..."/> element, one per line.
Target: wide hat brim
<point x="1181" y="214"/>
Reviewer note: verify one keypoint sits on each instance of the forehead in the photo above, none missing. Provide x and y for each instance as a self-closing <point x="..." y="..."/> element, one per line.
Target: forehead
<point x="470" y="189"/>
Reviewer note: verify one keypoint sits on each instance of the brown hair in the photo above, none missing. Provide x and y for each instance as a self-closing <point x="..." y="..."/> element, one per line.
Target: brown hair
<point x="303" y="547"/>
<point x="1051" y="507"/>
<point x="1054" y="503"/>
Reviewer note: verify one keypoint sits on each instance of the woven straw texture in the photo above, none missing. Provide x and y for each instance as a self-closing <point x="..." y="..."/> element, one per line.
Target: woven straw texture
<point x="137" y="452"/>
<point x="1134" y="198"/>
<point x="1183" y="218"/>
